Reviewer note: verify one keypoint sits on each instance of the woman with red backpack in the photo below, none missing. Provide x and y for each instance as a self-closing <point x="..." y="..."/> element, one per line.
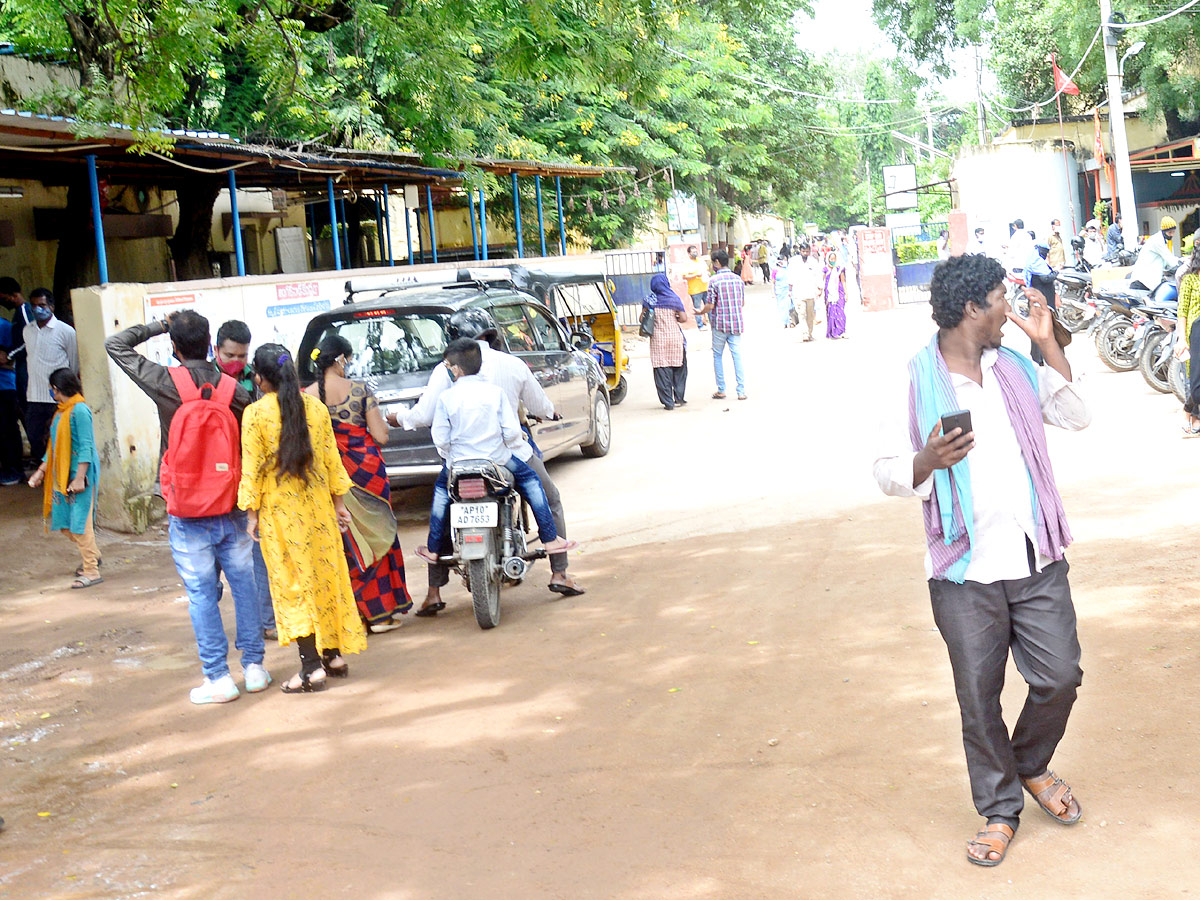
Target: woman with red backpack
<point x="292" y="488"/>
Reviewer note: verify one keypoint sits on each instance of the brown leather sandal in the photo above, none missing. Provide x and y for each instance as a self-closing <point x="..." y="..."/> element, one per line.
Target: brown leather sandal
<point x="1054" y="796"/>
<point x="995" y="837"/>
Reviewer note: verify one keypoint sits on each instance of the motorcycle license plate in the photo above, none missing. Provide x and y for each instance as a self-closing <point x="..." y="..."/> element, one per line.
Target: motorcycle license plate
<point x="474" y="515"/>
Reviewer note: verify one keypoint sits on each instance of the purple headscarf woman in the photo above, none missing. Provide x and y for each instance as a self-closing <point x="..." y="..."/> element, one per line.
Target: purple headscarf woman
<point x="835" y="297"/>
<point x="668" y="349"/>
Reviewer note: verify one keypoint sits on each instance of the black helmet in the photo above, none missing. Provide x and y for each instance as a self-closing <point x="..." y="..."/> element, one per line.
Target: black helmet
<point x="472" y="322"/>
<point x="1077" y="242"/>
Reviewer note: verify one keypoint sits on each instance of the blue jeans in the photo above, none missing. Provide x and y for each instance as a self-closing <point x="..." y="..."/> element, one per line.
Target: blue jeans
<point x="263" y="586"/>
<point x="198" y="546"/>
<point x="719" y="341"/>
<point x="698" y="304"/>
<point x="529" y="485"/>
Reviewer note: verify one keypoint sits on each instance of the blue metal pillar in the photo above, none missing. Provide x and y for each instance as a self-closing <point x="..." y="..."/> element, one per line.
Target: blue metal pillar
<point x="562" y="226"/>
<point x="97" y="219"/>
<point x="237" y="224"/>
<point x="474" y="225"/>
<point x="517" y="216"/>
<point x="432" y="227"/>
<point x="408" y="234"/>
<point x="537" y="190"/>
<point x="483" y="224"/>
<point x="310" y="216"/>
<point x="333" y="225"/>
<point x="379" y="226"/>
<point x="345" y="225"/>
<point x="387" y="219"/>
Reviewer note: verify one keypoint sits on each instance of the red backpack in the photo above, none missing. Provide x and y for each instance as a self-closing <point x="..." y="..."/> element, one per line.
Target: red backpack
<point x="203" y="463"/>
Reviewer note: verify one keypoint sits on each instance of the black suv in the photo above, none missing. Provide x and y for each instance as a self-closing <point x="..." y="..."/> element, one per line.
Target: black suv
<point x="398" y="339"/>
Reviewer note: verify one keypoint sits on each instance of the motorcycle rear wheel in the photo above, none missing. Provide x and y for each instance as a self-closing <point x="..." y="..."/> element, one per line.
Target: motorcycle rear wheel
<point x="485" y="592"/>
<point x="1115" y="345"/>
<point x="1157" y="376"/>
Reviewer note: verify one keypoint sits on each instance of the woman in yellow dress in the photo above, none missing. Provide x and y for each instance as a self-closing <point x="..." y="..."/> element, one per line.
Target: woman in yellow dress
<point x="292" y="486"/>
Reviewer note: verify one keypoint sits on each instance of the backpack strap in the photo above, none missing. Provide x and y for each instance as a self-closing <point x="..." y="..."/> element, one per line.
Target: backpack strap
<point x="223" y="395"/>
<point x="184" y="384"/>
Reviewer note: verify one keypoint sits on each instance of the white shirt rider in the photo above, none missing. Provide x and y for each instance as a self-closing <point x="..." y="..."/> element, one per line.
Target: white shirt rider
<point x="1154" y="259"/>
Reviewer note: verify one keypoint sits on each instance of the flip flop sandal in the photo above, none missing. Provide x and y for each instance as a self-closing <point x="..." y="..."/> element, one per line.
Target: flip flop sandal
<point x="84" y="582"/>
<point x="996" y="838"/>
<point x="566" y="590"/>
<point x="79" y="571"/>
<point x="307" y="685"/>
<point x="426" y="555"/>
<point x="1050" y="791"/>
<point x="718" y="396"/>
<point x="431" y="610"/>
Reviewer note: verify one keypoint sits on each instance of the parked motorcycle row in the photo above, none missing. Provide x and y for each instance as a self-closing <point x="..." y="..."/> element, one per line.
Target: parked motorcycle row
<point x="1132" y="328"/>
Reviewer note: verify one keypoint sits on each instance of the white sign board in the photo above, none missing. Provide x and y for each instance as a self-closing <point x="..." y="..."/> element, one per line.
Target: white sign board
<point x="900" y="187"/>
<point x="681" y="213"/>
<point x="291" y="249"/>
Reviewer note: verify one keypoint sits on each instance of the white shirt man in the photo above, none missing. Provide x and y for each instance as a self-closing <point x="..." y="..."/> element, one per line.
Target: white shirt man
<point x="804" y="275"/>
<point x="474" y="420"/>
<point x="1153" y="260"/>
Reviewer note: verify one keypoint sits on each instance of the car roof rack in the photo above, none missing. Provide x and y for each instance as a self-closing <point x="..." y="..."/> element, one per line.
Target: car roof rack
<point x="479" y="278"/>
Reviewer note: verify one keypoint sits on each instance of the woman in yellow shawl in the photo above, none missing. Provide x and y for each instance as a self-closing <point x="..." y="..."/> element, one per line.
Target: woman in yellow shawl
<point x="292" y="486"/>
<point x="69" y="474"/>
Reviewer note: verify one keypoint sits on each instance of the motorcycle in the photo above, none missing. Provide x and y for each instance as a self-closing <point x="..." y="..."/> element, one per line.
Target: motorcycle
<point x="488" y="524"/>
<point x="1155" y="348"/>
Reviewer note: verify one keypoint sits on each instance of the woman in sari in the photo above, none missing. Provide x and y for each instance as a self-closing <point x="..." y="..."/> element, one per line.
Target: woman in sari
<point x="748" y="265"/>
<point x="69" y="474"/>
<point x="835" y="297"/>
<point x="293" y="488"/>
<point x="668" y="348"/>
<point x="372" y="546"/>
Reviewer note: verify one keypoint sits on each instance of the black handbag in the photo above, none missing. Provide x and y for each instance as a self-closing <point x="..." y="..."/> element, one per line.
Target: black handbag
<point x="646" y="323"/>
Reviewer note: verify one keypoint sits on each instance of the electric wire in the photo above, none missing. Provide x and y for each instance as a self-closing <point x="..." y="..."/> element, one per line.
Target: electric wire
<point x="1070" y="78"/>
<point x="1125" y="26"/>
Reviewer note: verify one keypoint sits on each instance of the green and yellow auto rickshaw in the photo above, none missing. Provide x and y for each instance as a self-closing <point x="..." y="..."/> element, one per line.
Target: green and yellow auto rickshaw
<point x="583" y="304"/>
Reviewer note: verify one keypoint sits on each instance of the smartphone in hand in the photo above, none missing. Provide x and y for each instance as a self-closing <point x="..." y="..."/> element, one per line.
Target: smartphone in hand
<point x="960" y="418"/>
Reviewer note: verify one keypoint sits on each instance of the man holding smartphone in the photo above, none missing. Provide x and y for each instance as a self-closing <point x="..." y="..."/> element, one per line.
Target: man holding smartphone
<point x="996" y="534"/>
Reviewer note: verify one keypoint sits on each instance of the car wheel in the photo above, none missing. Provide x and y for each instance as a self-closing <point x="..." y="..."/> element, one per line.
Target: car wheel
<point x="601" y="428"/>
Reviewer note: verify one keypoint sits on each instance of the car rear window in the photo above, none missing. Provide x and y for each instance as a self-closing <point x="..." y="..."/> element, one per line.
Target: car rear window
<point x="386" y="342"/>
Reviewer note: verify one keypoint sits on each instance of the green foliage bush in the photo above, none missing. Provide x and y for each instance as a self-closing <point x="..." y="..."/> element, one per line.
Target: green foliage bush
<point x="909" y="250"/>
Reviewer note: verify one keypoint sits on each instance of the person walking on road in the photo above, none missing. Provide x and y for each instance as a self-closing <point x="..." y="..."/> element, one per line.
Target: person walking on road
<point x="696" y="273"/>
<point x="1188" y="345"/>
<point x="1056" y="256"/>
<point x="726" y="298"/>
<point x="783" y="291"/>
<point x="996" y="535"/>
<point x="834" y="288"/>
<point x="69" y="474"/>
<point x="292" y="489"/>
<point x="668" y="346"/>
<point x="805" y="275"/>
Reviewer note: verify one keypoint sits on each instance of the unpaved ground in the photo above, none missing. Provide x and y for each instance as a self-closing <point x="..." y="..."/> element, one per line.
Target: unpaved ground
<point x="749" y="702"/>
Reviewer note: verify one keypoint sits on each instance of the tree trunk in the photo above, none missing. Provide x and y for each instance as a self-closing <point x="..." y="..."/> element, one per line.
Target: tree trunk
<point x="189" y="246"/>
<point x="1179" y="128"/>
<point x="75" y="259"/>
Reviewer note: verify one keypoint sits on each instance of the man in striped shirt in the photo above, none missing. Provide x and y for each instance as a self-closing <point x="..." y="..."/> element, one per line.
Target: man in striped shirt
<point x="49" y="345"/>
<point x="726" y="297"/>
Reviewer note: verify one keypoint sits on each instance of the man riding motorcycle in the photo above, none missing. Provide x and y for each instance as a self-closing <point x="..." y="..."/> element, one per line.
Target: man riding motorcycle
<point x="1155" y="257"/>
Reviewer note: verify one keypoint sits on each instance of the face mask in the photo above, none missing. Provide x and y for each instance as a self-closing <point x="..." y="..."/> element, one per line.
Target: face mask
<point x="42" y="314"/>
<point x="233" y="368"/>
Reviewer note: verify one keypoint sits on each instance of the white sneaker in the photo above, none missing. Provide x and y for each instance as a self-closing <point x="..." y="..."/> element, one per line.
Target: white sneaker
<point x="257" y="678"/>
<point x="222" y="690"/>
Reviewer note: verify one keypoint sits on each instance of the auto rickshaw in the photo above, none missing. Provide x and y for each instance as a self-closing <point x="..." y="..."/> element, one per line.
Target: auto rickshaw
<point x="583" y="304"/>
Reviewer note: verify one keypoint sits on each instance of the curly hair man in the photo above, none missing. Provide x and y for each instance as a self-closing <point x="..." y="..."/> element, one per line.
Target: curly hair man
<point x="996" y="535"/>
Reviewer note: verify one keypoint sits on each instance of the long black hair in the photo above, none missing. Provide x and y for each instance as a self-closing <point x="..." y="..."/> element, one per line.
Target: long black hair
<point x="273" y="363"/>
<point x="331" y="347"/>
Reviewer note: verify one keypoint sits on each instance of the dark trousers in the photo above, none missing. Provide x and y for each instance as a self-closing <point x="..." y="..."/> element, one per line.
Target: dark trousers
<point x="37" y="427"/>
<point x="1192" y="404"/>
<point x="10" y="435"/>
<point x="1034" y="617"/>
<point x="1045" y="284"/>
<point x="670" y="382"/>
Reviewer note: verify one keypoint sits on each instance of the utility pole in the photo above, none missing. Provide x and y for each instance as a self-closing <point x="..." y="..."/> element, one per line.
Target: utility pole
<point x="1116" y="122"/>
<point x="870" y="208"/>
<point x="929" y="128"/>
<point x="982" y="115"/>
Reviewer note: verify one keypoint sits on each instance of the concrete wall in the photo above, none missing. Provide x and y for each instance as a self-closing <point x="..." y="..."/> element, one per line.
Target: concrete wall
<point x="23" y="80"/>
<point x="277" y="308"/>
<point x="1002" y="182"/>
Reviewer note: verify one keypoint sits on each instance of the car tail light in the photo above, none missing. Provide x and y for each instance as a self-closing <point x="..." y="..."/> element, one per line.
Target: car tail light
<point x="471" y="488"/>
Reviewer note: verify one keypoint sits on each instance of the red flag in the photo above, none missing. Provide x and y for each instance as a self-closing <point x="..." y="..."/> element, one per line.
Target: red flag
<point x="1062" y="82"/>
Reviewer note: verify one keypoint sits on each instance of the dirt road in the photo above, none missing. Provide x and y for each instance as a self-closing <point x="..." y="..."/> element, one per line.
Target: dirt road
<point x="749" y="702"/>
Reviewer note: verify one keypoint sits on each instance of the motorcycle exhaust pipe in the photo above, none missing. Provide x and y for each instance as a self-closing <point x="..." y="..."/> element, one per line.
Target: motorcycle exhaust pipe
<point x="515" y="568"/>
